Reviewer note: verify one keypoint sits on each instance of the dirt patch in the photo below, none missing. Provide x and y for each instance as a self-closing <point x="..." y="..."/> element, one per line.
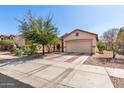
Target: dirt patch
<point x="117" y="82"/>
<point x="106" y="60"/>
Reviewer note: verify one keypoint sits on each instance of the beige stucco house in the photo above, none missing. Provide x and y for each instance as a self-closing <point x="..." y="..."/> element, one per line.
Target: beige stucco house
<point x="80" y="41"/>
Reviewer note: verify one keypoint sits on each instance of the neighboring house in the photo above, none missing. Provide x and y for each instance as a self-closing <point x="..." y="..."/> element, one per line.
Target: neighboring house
<point x="80" y="41"/>
<point x="7" y="46"/>
<point x="4" y="37"/>
<point x="20" y="41"/>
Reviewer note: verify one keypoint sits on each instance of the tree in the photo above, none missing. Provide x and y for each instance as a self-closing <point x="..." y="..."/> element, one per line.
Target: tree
<point x="110" y="37"/>
<point x="101" y="46"/>
<point x="120" y="39"/>
<point x="38" y="30"/>
<point x="55" y="41"/>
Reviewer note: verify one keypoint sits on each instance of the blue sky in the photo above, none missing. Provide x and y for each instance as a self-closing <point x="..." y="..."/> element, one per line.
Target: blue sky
<point x="96" y="19"/>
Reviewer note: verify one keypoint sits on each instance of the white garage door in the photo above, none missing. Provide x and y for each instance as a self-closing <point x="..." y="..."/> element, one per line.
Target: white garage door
<point x="81" y="46"/>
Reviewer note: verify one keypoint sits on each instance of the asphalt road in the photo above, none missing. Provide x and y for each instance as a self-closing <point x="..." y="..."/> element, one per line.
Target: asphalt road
<point x="7" y="82"/>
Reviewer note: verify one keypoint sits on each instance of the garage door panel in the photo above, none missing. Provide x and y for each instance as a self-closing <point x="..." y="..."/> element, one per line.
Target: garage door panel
<point x="79" y="46"/>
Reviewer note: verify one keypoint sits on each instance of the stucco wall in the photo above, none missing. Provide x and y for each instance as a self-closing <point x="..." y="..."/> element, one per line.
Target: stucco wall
<point x="82" y="35"/>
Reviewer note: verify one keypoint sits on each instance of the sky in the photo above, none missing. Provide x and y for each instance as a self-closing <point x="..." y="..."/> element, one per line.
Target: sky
<point x="96" y="19"/>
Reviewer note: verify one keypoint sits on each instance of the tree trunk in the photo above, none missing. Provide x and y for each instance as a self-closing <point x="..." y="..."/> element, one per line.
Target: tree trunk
<point x="123" y="50"/>
<point x="114" y="54"/>
<point x="49" y="50"/>
<point x="62" y="46"/>
<point x="43" y="50"/>
<point x="54" y="48"/>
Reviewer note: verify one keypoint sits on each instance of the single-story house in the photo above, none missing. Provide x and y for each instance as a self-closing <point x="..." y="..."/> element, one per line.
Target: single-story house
<point x="80" y="41"/>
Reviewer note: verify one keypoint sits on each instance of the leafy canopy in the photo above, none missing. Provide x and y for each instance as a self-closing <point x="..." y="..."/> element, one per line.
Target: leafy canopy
<point x="39" y="30"/>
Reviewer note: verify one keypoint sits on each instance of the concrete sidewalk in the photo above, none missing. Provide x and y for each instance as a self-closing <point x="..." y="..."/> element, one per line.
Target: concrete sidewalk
<point x="116" y="72"/>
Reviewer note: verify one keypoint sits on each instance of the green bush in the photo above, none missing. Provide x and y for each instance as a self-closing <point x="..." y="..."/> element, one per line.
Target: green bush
<point x="101" y="46"/>
<point x="26" y="50"/>
<point x="12" y="50"/>
<point x="27" y="46"/>
<point x="121" y="51"/>
<point x="18" y="52"/>
<point x="29" y="49"/>
<point x="7" y="42"/>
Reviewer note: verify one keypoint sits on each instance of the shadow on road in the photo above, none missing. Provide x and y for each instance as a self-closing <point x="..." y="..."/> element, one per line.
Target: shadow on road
<point x="20" y="60"/>
<point x="8" y="82"/>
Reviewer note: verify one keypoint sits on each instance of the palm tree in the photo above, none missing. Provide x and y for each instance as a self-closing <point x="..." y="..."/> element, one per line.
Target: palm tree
<point x="38" y="30"/>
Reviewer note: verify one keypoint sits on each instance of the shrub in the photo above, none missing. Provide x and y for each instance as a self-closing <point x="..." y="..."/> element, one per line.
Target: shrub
<point x="27" y="46"/>
<point x="18" y="52"/>
<point x="33" y="47"/>
<point x="12" y="50"/>
<point x="101" y="46"/>
<point x="6" y="44"/>
<point x="29" y="49"/>
<point x="121" y="51"/>
<point x="28" y="52"/>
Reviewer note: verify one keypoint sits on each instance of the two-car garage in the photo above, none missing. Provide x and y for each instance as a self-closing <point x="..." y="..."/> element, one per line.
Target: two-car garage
<point x="80" y="41"/>
<point x="81" y="46"/>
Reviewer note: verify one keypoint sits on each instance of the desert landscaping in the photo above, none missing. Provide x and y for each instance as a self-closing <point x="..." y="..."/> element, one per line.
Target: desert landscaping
<point x="39" y="57"/>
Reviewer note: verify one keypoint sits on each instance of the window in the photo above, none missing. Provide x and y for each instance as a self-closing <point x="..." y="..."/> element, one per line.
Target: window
<point x="77" y="34"/>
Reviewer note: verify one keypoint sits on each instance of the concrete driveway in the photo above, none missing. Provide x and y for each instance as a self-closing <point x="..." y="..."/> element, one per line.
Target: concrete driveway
<point x="58" y="70"/>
